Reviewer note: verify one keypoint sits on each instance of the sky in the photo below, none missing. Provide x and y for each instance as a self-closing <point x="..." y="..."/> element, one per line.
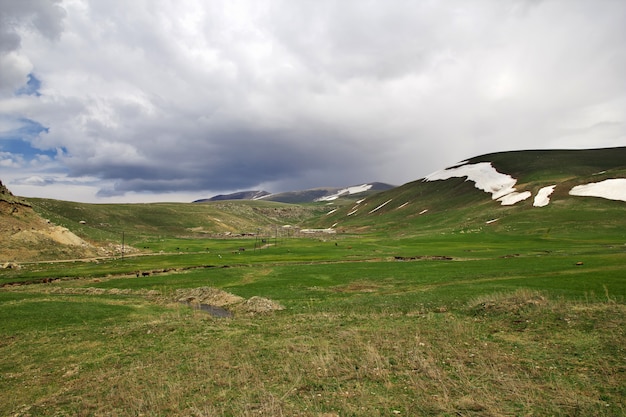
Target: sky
<point x="110" y="101"/>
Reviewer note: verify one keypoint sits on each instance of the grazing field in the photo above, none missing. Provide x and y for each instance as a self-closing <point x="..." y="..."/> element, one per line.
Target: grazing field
<point x="429" y="299"/>
<point x="468" y="324"/>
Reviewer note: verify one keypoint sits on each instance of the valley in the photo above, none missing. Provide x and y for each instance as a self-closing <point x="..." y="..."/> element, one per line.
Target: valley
<point x="431" y="298"/>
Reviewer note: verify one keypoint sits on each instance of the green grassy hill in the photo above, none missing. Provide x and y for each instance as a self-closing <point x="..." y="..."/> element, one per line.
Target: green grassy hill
<point x="456" y="205"/>
<point x="106" y="222"/>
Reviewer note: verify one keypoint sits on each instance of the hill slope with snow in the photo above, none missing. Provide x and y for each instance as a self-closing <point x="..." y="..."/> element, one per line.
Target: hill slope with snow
<point x="484" y="189"/>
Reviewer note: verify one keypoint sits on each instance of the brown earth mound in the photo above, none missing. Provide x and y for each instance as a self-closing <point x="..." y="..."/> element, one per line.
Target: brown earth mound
<point x="218" y="298"/>
<point x="25" y="236"/>
<point x="259" y="305"/>
<point x="207" y="295"/>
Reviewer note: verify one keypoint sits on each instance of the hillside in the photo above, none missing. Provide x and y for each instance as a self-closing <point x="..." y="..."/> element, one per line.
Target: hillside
<point x="500" y="191"/>
<point x="107" y="222"/>
<point x="25" y="236"/>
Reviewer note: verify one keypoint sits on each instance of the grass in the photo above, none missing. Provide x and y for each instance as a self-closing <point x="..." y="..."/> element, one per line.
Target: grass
<point x="555" y="357"/>
<point x="397" y="314"/>
<point x="483" y="334"/>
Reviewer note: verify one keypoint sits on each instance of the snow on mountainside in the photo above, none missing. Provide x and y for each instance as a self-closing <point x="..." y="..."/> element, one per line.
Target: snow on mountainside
<point x="346" y="191"/>
<point x="327" y="194"/>
<point x="542" y="198"/>
<point x="242" y="195"/>
<point x="612" y="189"/>
<point x="303" y="196"/>
<point x="486" y="178"/>
<point x="502" y="186"/>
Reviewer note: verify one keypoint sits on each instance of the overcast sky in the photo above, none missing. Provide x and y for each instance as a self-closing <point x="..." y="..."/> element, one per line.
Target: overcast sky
<point x="175" y="100"/>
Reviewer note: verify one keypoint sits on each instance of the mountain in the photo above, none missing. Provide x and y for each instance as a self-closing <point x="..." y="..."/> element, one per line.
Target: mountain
<point x="304" y="196"/>
<point x="26" y="236"/>
<point x="241" y="195"/>
<point x="328" y="193"/>
<point x="563" y="188"/>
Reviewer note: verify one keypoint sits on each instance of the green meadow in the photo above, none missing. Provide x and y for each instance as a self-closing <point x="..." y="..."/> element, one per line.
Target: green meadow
<point x="450" y="324"/>
<point x="440" y="303"/>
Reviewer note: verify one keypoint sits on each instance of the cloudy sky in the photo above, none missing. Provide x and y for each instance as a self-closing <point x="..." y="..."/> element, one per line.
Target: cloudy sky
<point x="174" y="100"/>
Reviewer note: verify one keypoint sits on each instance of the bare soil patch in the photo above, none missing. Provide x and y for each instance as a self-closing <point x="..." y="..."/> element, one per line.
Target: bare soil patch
<point x="214" y="297"/>
<point x="207" y="295"/>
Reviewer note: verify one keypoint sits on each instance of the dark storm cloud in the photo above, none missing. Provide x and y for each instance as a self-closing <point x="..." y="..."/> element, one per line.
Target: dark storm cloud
<point x="230" y="160"/>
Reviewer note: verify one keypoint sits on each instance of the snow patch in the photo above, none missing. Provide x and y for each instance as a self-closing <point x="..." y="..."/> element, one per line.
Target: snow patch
<point x="381" y="206"/>
<point x="542" y="198"/>
<point x="423" y="211"/>
<point x="514" y="197"/>
<point x="312" y="231"/>
<point x="491" y="221"/>
<point x="346" y="191"/>
<point x="331" y="212"/>
<point x="612" y="189"/>
<point x="484" y="176"/>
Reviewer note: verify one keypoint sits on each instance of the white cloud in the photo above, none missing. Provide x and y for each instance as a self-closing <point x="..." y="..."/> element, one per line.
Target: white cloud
<point x="9" y="160"/>
<point x="162" y="95"/>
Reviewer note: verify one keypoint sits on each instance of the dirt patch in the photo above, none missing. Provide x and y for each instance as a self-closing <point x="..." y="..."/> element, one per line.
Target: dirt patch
<point x="57" y="234"/>
<point x="25" y="236"/>
<point x="356" y="287"/>
<point x="259" y="305"/>
<point x="98" y="291"/>
<point x="207" y="295"/>
<point x="424" y="258"/>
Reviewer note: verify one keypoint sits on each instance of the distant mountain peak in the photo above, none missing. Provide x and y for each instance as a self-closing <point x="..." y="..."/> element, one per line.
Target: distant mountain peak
<point x="302" y="196"/>
<point x="240" y="195"/>
<point x="346" y="191"/>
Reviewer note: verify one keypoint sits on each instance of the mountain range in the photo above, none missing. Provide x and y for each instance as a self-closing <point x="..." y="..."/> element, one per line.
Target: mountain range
<point x="304" y="196"/>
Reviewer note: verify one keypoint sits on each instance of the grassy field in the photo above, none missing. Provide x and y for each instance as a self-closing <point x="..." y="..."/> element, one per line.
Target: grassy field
<point x="468" y="324"/>
<point x="429" y="300"/>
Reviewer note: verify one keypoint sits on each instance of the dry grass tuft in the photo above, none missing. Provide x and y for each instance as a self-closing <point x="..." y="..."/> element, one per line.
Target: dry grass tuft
<point x="207" y="295"/>
<point x="513" y="302"/>
<point x="259" y="305"/>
